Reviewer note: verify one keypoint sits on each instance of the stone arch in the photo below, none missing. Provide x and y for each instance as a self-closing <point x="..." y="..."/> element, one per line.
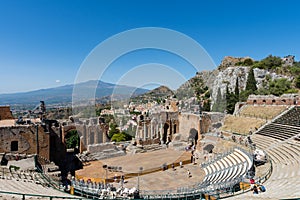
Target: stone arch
<point x="165" y="134"/>
<point x="254" y="101"/>
<point x="72" y="139"/>
<point x="209" y="148"/>
<point x="273" y="101"/>
<point x="193" y="135"/>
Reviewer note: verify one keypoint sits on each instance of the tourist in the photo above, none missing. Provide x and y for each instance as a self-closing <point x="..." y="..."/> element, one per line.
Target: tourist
<point x="255" y="190"/>
<point x="252" y="182"/>
<point x="262" y="188"/>
<point x="240" y="139"/>
<point x="233" y="138"/>
<point x="173" y="166"/>
<point x="189" y="173"/>
<point x="180" y="163"/>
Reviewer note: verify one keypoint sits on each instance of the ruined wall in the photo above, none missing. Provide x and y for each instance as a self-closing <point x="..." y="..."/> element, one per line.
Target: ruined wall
<point x="90" y="131"/>
<point x="285" y="99"/>
<point x="187" y="123"/>
<point x="22" y="140"/>
<point x="5" y="113"/>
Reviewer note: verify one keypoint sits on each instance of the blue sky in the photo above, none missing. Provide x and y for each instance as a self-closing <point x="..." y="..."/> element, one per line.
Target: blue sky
<point x="43" y="43"/>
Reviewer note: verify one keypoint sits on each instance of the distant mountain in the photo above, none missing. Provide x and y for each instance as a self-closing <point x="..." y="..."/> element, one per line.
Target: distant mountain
<point x="157" y="94"/>
<point x="161" y="91"/>
<point x="63" y="94"/>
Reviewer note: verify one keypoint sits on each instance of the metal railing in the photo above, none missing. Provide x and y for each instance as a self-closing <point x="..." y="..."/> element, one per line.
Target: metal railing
<point x="24" y="195"/>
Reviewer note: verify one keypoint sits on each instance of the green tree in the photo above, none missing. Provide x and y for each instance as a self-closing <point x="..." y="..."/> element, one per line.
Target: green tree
<point x="248" y="62"/>
<point x="279" y="86"/>
<point x="119" y="137"/>
<point x="251" y="82"/>
<point x="270" y="62"/>
<point x="236" y="89"/>
<point x="231" y="100"/>
<point x="220" y="103"/>
<point x="113" y="129"/>
<point x="206" y="105"/>
<point x="244" y="95"/>
<point x="297" y="82"/>
<point x="72" y="139"/>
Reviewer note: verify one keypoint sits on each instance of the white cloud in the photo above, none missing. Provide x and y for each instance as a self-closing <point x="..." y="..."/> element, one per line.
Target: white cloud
<point x="57" y="81"/>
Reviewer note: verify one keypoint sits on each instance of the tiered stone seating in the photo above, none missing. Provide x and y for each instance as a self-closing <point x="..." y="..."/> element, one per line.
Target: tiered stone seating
<point x="228" y="168"/>
<point x="285" y="179"/>
<point x="25" y="182"/>
<point x="279" y="140"/>
<point x="279" y="131"/>
<point x="18" y="186"/>
<point x="291" y="118"/>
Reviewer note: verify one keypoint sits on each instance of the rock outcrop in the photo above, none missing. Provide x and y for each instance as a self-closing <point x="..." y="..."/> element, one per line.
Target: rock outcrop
<point x="228" y="78"/>
<point x="230" y="61"/>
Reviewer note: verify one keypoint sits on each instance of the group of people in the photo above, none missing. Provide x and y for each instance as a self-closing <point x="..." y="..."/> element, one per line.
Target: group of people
<point x="256" y="188"/>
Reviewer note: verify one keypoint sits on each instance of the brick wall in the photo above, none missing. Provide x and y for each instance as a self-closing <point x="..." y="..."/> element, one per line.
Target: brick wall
<point x="24" y="138"/>
<point x="5" y="113"/>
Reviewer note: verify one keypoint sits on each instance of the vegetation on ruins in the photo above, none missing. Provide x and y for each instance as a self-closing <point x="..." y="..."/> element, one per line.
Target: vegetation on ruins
<point x="113" y="129"/>
<point x="122" y="136"/>
<point x="72" y="139"/>
<point x="116" y="135"/>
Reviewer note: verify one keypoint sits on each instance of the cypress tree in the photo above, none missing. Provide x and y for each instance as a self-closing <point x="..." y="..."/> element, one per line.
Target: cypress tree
<point x="220" y="103"/>
<point x="231" y="100"/>
<point x="251" y="82"/>
<point x="236" y="90"/>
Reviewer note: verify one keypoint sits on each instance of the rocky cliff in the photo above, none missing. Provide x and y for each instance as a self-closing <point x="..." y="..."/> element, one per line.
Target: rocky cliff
<point x="227" y="73"/>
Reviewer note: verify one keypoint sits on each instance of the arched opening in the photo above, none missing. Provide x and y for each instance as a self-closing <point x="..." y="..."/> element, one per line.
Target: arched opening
<point x="254" y="101"/>
<point x="264" y="101"/>
<point x="174" y="128"/>
<point x="193" y="136"/>
<point x="273" y="101"/>
<point x="91" y="137"/>
<point x="209" y="148"/>
<point x="165" y="135"/>
<point x="72" y="140"/>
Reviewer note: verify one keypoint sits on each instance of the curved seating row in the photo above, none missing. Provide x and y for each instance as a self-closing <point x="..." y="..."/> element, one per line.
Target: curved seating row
<point x="228" y="168"/>
<point x="290" y="118"/>
<point x="279" y="131"/>
<point x="285" y="178"/>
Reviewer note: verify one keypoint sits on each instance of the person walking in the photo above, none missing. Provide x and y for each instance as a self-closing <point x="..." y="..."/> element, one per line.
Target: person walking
<point x="189" y="173"/>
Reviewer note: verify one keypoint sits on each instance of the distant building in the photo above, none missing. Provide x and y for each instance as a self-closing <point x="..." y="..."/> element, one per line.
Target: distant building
<point x="288" y="60"/>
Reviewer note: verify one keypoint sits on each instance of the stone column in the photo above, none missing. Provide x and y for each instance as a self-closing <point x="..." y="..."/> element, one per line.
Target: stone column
<point x="137" y="136"/>
<point x="145" y="130"/>
<point x="96" y="136"/>
<point x="156" y="131"/>
<point x="161" y="133"/>
<point x="152" y="130"/>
